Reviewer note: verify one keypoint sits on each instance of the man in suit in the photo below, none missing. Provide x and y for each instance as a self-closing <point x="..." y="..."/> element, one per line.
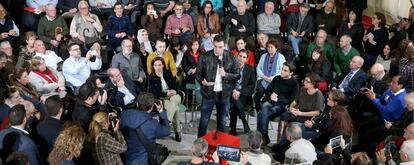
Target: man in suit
<point x="17" y="134"/>
<point x="298" y="26"/>
<point x="122" y="91"/>
<point x="351" y="81"/>
<point x="49" y="129"/>
<point x="243" y="90"/>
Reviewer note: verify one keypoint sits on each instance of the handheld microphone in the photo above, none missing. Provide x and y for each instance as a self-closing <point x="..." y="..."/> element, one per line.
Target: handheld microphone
<point x="220" y="61"/>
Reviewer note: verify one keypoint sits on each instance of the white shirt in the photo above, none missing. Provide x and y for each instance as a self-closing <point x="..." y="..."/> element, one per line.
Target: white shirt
<point x="218" y="85"/>
<point x="301" y="150"/>
<point x="76" y="71"/>
<point x="407" y="163"/>
<point x="50" y="57"/>
<point x="129" y="97"/>
<point x="24" y="131"/>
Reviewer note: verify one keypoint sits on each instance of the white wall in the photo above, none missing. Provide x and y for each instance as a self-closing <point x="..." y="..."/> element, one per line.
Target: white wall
<point x="393" y="9"/>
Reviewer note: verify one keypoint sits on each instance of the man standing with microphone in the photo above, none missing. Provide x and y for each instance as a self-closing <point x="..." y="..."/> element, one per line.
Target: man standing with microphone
<point x="217" y="72"/>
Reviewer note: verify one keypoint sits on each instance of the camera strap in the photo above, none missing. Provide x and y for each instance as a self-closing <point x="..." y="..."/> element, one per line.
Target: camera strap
<point x="147" y="144"/>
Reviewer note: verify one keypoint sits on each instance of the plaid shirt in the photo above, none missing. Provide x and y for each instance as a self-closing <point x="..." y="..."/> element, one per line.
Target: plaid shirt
<point x="408" y="72"/>
<point x="106" y="149"/>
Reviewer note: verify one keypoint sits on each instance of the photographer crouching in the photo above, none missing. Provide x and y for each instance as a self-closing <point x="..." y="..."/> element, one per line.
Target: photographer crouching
<point x="142" y="118"/>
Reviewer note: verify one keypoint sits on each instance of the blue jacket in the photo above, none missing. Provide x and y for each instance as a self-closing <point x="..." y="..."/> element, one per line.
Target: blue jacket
<point x="391" y="106"/>
<point x="117" y="25"/>
<point x="131" y="119"/>
<point x="116" y="97"/>
<point x="23" y="143"/>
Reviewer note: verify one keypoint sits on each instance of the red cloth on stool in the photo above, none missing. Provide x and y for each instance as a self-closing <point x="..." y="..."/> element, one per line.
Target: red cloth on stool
<point x="222" y="138"/>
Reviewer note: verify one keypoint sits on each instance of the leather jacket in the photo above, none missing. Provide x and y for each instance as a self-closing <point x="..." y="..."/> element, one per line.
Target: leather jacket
<point x="207" y="69"/>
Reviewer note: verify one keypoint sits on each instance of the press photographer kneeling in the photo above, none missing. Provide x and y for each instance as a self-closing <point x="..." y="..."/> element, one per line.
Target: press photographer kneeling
<point x="142" y="118"/>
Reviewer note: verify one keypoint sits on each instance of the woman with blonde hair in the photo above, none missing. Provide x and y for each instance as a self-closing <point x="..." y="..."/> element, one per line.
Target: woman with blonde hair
<point x="106" y="148"/>
<point x="68" y="145"/>
<point x="46" y="80"/>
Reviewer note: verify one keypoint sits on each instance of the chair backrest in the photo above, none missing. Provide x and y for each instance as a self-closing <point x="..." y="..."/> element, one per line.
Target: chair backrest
<point x="198" y="96"/>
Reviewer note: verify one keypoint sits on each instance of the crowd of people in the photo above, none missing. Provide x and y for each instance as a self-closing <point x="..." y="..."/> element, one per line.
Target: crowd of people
<point x="79" y="78"/>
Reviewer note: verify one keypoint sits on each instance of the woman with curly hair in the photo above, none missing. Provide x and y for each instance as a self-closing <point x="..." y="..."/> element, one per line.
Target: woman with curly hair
<point x="106" y="148"/>
<point x="68" y="145"/>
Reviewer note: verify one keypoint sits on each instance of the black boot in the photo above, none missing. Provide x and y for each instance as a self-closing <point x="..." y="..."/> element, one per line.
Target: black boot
<point x="245" y="125"/>
<point x="178" y="136"/>
<point x="266" y="140"/>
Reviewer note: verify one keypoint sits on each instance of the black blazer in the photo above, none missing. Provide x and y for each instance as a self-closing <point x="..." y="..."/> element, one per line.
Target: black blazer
<point x="115" y="97"/>
<point x="292" y="23"/>
<point x="248" y="81"/>
<point x="189" y="63"/>
<point x="355" y="84"/>
<point x="154" y="83"/>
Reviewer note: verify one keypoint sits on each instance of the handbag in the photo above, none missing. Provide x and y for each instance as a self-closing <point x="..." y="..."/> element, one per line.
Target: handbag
<point x="157" y="153"/>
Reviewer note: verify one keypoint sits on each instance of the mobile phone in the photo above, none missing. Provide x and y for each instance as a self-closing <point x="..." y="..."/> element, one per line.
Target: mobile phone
<point x="93" y="52"/>
<point x="335" y="142"/>
<point x="230" y="153"/>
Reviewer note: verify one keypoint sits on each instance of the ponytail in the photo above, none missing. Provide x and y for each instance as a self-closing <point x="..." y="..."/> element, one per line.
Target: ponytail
<point x="96" y="125"/>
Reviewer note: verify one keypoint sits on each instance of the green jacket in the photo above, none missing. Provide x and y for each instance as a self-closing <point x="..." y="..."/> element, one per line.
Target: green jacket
<point x="46" y="29"/>
<point x="329" y="52"/>
<point x="341" y="61"/>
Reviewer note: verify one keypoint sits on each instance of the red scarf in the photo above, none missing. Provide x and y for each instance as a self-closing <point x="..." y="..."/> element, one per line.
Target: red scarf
<point x="47" y="75"/>
<point x="195" y="56"/>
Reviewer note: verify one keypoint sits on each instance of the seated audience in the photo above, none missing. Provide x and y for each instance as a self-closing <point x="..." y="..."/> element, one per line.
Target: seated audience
<point x="85" y="27"/>
<point x="8" y="30"/>
<point x="46" y="80"/>
<point x="50" y="58"/>
<point x="407" y="152"/>
<point x="374" y="39"/>
<point x="152" y="22"/>
<point x="102" y="8"/>
<point x="241" y="24"/>
<point x="118" y="27"/>
<point x="20" y="80"/>
<point x="397" y="128"/>
<point x="68" y="7"/>
<point x="255" y="154"/>
<point x="53" y="31"/>
<point x="11" y="98"/>
<point x="122" y="91"/>
<point x="329" y="21"/>
<point x="269" y="66"/>
<point x="17" y="130"/>
<point x="407" y="69"/>
<point x="77" y="69"/>
<point x="243" y="90"/>
<point x="32" y="14"/>
<point x="391" y="106"/>
<point x="301" y="150"/>
<point x="385" y="57"/>
<point x="68" y="145"/>
<point x="179" y="24"/>
<point x="351" y="80"/>
<point x="27" y="51"/>
<point x="320" y="41"/>
<point x="354" y="28"/>
<point x="320" y="65"/>
<point x="343" y="55"/>
<point x="298" y="26"/>
<point x="163" y="85"/>
<point x="106" y="147"/>
<point x="130" y="63"/>
<point x="269" y="21"/>
<point x="241" y="45"/>
<point x="281" y="92"/>
<point x="142" y="118"/>
<point x="217" y="6"/>
<point x="133" y="8"/>
<point x="6" y="47"/>
<point x="168" y="58"/>
<point x="208" y="23"/>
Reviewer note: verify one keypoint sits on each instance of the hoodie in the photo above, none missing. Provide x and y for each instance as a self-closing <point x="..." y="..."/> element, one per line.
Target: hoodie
<point x="131" y="120"/>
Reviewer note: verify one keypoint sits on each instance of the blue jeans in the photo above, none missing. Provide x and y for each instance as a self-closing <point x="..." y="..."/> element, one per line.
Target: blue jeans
<point x="268" y="111"/>
<point x="294" y="42"/>
<point x="207" y="105"/>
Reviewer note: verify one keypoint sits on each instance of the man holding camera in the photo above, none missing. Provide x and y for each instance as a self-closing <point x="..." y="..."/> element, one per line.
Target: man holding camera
<point x="122" y="91"/>
<point x="133" y="119"/>
<point x="89" y="102"/>
<point x="217" y="72"/>
<point x="77" y="69"/>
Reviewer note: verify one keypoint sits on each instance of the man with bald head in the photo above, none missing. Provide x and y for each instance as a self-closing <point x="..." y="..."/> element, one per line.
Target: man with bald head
<point x="242" y="24"/>
<point x="344" y="54"/>
<point x="320" y="41"/>
<point x="352" y="79"/>
<point x="52" y="28"/>
<point x="123" y="91"/>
